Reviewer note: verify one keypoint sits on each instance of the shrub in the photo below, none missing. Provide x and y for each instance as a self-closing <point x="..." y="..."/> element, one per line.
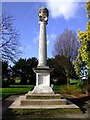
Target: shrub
<point x="67" y="89"/>
<point x="5" y="83"/>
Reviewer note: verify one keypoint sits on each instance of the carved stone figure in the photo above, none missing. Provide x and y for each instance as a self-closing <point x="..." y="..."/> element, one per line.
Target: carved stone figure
<point x="43" y="15"/>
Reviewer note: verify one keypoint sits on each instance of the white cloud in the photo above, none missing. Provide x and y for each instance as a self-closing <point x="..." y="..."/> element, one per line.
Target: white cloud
<point x="66" y="9"/>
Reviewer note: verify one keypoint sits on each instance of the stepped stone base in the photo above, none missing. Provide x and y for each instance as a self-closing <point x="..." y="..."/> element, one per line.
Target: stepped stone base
<point x="41" y="101"/>
<point x="17" y="105"/>
<point x="42" y="96"/>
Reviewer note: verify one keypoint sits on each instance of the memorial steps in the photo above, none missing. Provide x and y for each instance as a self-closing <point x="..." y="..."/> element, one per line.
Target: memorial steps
<point x="42" y="101"/>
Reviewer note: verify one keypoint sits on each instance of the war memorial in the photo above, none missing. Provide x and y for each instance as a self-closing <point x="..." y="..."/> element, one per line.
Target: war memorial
<point x="42" y="96"/>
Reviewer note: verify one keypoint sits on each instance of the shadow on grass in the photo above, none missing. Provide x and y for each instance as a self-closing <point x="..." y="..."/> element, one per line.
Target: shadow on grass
<point x="81" y="102"/>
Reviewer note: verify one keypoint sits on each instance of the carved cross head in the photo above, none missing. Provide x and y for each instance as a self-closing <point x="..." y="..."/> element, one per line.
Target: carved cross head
<point x="43" y="15"/>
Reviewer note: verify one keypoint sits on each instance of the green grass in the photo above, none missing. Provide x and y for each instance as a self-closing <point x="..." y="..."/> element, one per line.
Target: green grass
<point x="17" y="81"/>
<point x="40" y="114"/>
<point x="73" y="81"/>
<point x="22" y="89"/>
<point x="15" y="90"/>
<point x="42" y="111"/>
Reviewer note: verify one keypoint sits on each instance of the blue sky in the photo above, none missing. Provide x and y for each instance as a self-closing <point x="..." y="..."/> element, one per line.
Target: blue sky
<point x="71" y="15"/>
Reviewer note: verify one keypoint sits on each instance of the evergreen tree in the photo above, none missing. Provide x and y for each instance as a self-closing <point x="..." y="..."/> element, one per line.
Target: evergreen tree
<point x="84" y="50"/>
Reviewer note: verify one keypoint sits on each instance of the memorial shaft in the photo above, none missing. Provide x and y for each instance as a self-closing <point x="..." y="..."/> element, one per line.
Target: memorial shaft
<point x="43" y="19"/>
<point x="42" y="71"/>
<point x="42" y="45"/>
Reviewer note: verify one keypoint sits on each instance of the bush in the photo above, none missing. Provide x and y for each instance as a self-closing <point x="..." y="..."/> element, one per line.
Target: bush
<point x="5" y="83"/>
<point x="67" y="89"/>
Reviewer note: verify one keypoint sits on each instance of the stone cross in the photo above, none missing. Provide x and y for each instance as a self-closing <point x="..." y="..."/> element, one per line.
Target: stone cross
<point x="42" y="71"/>
<point x="43" y="20"/>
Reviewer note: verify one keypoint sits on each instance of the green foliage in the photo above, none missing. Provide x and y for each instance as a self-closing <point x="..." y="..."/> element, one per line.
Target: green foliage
<point x="24" y="69"/>
<point x="5" y="83"/>
<point x="17" y="81"/>
<point x="5" y="74"/>
<point x="84" y="50"/>
<point x="80" y="83"/>
<point x="63" y="89"/>
<point x="77" y="67"/>
<point x="73" y="81"/>
<point x="63" y="68"/>
<point x="88" y="8"/>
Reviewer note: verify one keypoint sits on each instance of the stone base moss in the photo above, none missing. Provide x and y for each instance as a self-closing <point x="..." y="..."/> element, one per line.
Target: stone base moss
<point x="42" y="114"/>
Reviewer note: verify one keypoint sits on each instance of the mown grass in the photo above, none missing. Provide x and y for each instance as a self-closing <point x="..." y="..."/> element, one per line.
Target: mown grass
<point x="73" y="81"/>
<point x="22" y="89"/>
<point x="15" y="90"/>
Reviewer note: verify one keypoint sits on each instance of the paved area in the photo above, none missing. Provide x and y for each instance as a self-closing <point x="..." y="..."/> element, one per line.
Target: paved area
<point x="7" y="102"/>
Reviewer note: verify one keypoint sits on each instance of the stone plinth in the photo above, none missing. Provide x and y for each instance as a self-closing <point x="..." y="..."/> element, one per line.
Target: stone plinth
<point x="42" y="75"/>
<point x="41" y="89"/>
<point x="42" y="80"/>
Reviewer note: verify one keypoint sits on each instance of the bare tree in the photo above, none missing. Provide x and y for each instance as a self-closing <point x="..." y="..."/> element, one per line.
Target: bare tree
<point x="67" y="45"/>
<point x="9" y="39"/>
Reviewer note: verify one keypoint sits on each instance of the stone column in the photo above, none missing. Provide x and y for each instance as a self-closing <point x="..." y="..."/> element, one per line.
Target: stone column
<point x="42" y="45"/>
<point x="43" y="19"/>
<point x="42" y="71"/>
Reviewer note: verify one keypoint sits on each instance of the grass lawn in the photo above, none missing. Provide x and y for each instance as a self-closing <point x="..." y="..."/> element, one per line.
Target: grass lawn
<point x="22" y="89"/>
<point x="15" y="90"/>
<point x="73" y="81"/>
